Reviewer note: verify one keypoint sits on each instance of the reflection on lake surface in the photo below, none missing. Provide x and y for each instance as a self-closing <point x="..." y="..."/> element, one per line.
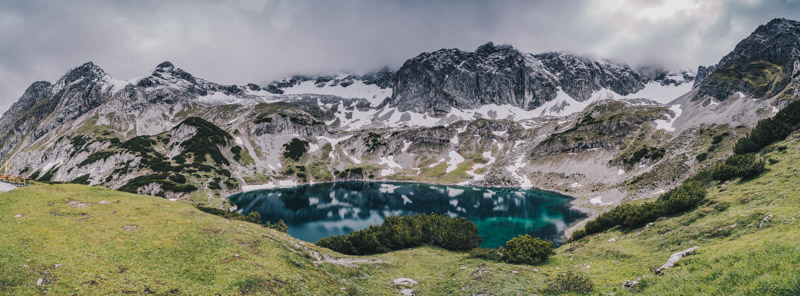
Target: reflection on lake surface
<point x="321" y="210"/>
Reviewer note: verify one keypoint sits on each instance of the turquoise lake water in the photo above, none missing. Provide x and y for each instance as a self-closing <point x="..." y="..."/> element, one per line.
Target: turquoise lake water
<point x="321" y="210"/>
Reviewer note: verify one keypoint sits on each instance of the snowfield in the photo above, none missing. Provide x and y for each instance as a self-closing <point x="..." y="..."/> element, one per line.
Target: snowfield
<point x="358" y="90"/>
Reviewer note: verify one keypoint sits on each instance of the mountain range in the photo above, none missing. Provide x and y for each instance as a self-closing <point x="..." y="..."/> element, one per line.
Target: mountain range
<point x="595" y="129"/>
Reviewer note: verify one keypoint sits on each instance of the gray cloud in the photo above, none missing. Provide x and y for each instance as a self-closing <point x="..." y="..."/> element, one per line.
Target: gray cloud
<point x="260" y="40"/>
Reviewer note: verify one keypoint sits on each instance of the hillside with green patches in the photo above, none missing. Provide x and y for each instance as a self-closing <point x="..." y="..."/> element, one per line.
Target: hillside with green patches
<point x="91" y="240"/>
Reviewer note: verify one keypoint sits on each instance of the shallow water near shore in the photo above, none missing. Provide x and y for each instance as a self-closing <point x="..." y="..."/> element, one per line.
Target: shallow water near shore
<point x="322" y="210"/>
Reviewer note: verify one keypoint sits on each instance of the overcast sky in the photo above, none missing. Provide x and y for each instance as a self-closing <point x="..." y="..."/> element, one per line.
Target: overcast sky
<point x="236" y="42"/>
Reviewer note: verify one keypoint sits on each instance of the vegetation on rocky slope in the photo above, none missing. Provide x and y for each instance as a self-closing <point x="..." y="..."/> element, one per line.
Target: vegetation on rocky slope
<point x="745" y="164"/>
<point x="137" y="244"/>
<point x="200" y="157"/>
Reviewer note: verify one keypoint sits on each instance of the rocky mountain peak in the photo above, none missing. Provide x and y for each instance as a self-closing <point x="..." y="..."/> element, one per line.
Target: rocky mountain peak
<point x="165" y="71"/>
<point x="165" y="67"/>
<point x="772" y="51"/>
<point x="777" y="42"/>
<point x="88" y="70"/>
<point x="489" y="48"/>
<point x="779" y="25"/>
<point x="580" y="76"/>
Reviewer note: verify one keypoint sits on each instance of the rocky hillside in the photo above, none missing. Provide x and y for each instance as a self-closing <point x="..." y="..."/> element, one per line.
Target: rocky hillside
<point x="743" y="239"/>
<point x="765" y="64"/>
<point x="435" y="82"/>
<point x="595" y="129"/>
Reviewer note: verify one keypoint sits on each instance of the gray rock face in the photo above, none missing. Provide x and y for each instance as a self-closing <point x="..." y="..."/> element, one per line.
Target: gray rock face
<point x="580" y="76"/>
<point x="301" y="125"/>
<point x="762" y="64"/>
<point x="60" y="126"/>
<point x="82" y="89"/>
<point x="23" y="116"/>
<point x="605" y="124"/>
<point x="382" y="78"/>
<point x="435" y="82"/>
<point x="77" y="92"/>
<point x="702" y="73"/>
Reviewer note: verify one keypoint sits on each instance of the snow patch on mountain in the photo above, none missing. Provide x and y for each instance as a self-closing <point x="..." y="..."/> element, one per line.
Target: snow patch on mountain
<point x="270" y="185"/>
<point x="393" y="167"/>
<point x="667" y="125"/>
<point x="219" y="98"/>
<point x="357" y="90"/>
<point x="453" y="162"/>
<point x="663" y="94"/>
<point x="479" y="177"/>
<point x="517" y="172"/>
<point x="564" y="105"/>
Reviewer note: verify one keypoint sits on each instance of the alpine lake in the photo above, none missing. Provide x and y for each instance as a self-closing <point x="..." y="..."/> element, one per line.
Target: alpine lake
<point x="321" y="210"/>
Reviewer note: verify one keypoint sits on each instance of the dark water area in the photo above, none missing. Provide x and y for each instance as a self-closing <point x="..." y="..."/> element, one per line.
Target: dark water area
<point x="322" y="210"/>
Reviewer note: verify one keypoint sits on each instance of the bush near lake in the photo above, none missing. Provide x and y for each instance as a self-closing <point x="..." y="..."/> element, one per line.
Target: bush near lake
<point x="402" y="232"/>
<point x="677" y="200"/>
<point x="487" y="253"/>
<point x="527" y="250"/>
<point x="252" y="217"/>
<point x="523" y="249"/>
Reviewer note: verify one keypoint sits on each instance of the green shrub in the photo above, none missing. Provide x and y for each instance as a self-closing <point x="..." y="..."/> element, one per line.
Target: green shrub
<point x="280" y="226"/>
<point x="570" y="282"/>
<point x="83" y="179"/>
<point x="527" y="250"/>
<point x="182" y="188"/>
<point x="743" y="166"/>
<point x="701" y="157"/>
<point x="47" y="177"/>
<point x="487" y="253"/>
<point x="177" y="178"/>
<point x="401" y="232"/>
<point x="718" y="138"/>
<point x="140" y="145"/>
<point x="160" y="166"/>
<point x="373" y="141"/>
<point x="770" y="130"/>
<point x="162" y="179"/>
<point x="205" y="142"/>
<point x="252" y="217"/>
<point x="295" y="149"/>
<point x="645" y="152"/>
<point x="679" y="199"/>
<point x="263" y="119"/>
<point x="97" y="156"/>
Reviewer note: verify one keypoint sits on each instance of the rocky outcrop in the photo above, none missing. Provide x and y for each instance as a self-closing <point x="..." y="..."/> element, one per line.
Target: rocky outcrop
<point x="383" y="78"/>
<point x="674" y="259"/>
<point x="702" y="73"/>
<point x="299" y="124"/>
<point x="606" y="125"/>
<point x="762" y="64"/>
<point x="435" y="82"/>
<point x="450" y="78"/>
<point x="24" y="115"/>
<point x="580" y="76"/>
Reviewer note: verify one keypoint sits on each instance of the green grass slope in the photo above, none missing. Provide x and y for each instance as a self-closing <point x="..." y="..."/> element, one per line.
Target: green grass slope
<point x="145" y="244"/>
<point x="140" y="245"/>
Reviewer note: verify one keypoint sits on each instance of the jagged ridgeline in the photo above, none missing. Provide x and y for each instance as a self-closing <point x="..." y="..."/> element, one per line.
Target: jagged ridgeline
<point x="596" y="129"/>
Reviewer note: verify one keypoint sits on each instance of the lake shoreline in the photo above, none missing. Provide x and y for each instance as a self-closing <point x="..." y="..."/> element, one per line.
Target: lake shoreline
<point x="588" y="212"/>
